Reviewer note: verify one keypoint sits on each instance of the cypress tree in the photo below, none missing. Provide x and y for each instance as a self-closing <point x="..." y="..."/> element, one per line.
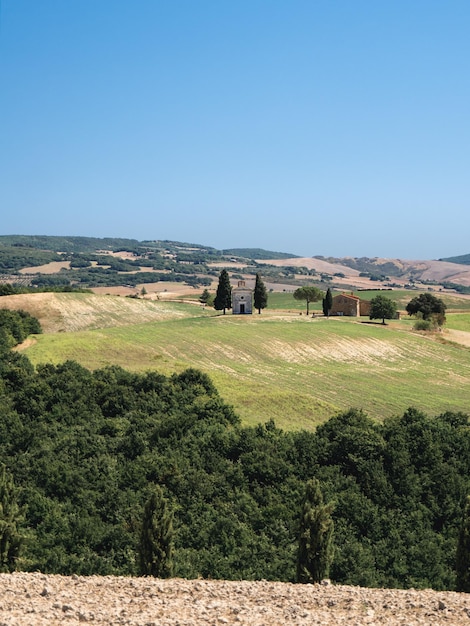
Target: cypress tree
<point x="327" y="302"/>
<point x="463" y="552"/>
<point x="10" y="517"/>
<point x="316" y="536"/>
<point x="223" y="296"/>
<point x="156" y="537"/>
<point x="260" y="294"/>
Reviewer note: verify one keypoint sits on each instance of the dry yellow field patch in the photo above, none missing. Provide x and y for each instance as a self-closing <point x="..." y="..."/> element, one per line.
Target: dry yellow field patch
<point x="49" y="268"/>
<point x="65" y="312"/>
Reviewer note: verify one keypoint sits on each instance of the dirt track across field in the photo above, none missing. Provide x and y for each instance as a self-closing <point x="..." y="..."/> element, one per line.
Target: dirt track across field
<point x="40" y="600"/>
<point x="458" y="336"/>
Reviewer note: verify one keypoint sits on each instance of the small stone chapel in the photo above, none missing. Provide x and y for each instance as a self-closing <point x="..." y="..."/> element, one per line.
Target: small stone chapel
<point x="242" y="299"/>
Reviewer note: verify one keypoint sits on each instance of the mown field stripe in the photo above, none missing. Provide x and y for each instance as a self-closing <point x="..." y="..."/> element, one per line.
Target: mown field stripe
<point x="298" y="371"/>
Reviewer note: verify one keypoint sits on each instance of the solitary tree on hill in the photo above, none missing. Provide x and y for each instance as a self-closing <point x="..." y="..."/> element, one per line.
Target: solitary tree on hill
<point x="382" y="308"/>
<point x="260" y="294"/>
<point x="316" y="536"/>
<point x="156" y="537"/>
<point x="429" y="306"/>
<point x="223" y="296"/>
<point x="327" y="302"/>
<point x="310" y="294"/>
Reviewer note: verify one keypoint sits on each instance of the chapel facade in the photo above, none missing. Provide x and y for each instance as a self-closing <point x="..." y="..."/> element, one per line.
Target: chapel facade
<point x="242" y="299"/>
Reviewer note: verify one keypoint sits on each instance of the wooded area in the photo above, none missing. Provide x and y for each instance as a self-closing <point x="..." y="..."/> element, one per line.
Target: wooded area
<point x="85" y="451"/>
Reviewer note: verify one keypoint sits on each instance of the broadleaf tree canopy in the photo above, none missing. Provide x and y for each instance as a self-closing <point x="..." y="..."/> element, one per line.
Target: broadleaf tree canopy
<point x="308" y="293"/>
<point x="382" y="308"/>
<point x="429" y="306"/>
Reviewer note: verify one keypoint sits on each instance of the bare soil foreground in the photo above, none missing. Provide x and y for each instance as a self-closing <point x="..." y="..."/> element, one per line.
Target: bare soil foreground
<point x="40" y="600"/>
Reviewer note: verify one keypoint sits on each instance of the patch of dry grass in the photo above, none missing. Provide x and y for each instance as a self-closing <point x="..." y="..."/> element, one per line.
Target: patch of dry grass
<point x="70" y="312"/>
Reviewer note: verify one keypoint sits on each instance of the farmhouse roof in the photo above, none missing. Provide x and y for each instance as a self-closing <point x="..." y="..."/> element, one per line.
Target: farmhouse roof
<point x="350" y="295"/>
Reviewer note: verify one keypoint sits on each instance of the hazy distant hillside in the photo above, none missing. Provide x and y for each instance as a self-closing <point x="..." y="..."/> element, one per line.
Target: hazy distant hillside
<point x="444" y="272"/>
<point x="390" y="267"/>
<point x="97" y="262"/>
<point x="463" y="259"/>
<point x="364" y="273"/>
<point x="258" y="254"/>
<point x="65" y="244"/>
<point x="89" y="244"/>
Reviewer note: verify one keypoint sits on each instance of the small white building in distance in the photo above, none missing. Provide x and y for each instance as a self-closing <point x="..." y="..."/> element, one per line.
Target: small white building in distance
<point x="242" y="299"/>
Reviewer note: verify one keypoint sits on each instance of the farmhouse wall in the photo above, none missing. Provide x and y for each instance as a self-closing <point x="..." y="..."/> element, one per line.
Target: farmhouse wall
<point x="364" y="307"/>
<point x="349" y="305"/>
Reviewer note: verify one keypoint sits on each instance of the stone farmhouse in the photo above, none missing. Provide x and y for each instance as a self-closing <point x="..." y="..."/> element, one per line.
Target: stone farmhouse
<point x="242" y="299"/>
<point x="350" y="305"/>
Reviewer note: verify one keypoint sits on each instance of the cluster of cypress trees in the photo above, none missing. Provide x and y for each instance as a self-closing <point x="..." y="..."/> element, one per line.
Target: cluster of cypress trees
<point x="223" y="296"/>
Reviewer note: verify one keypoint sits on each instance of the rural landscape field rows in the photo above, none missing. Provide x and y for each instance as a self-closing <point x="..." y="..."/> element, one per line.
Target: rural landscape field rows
<point x="281" y="365"/>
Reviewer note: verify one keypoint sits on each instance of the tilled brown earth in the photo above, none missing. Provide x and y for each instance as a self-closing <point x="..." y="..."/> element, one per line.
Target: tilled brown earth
<point x="38" y="599"/>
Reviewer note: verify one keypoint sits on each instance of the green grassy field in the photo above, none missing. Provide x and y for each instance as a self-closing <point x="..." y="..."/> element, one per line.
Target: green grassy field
<point x="294" y="369"/>
<point x="279" y="301"/>
<point x="284" y="300"/>
<point x="458" y="321"/>
<point x="403" y="296"/>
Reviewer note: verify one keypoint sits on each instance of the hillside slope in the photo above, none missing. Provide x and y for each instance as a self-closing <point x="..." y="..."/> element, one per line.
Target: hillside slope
<point x="296" y="370"/>
<point x="65" y="312"/>
<point x="401" y="270"/>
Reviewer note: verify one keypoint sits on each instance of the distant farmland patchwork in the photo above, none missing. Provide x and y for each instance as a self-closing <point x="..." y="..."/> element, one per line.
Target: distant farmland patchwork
<point x="297" y="370"/>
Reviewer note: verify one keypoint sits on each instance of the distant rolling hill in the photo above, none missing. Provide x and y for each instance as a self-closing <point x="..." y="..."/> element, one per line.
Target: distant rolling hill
<point x="463" y="259"/>
<point x="18" y="252"/>
<point x="257" y="254"/>
<point x="397" y="270"/>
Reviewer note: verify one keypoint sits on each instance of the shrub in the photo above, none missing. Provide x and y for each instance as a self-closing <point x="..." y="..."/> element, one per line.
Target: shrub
<point x="423" y="325"/>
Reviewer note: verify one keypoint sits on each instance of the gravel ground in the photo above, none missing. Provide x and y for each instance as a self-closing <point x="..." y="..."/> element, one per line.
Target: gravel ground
<point x="38" y="599"/>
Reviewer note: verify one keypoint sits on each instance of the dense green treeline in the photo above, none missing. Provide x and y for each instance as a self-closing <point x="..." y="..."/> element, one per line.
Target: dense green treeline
<point x="15" y="326"/>
<point x="96" y="277"/>
<point x="66" y="244"/>
<point x="7" y="289"/>
<point x="87" y="449"/>
<point x="13" y="259"/>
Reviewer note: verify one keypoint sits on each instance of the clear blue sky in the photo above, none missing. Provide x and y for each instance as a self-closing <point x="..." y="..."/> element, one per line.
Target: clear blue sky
<point x="333" y="127"/>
